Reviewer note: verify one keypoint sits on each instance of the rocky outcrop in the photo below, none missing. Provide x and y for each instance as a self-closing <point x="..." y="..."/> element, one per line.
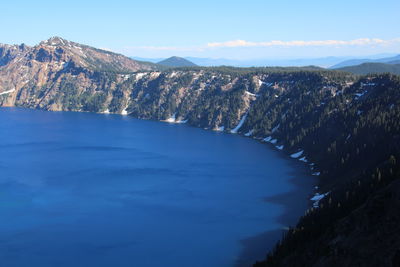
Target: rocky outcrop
<point x="30" y="73"/>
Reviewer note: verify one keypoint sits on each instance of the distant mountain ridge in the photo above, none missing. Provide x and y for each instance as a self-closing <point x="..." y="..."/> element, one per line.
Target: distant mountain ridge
<point x="367" y="68"/>
<point x="354" y="62"/>
<point x="176" y="62"/>
<point x="145" y="59"/>
<point x="214" y="62"/>
<point x="325" y="62"/>
<point x="394" y="62"/>
<point x="265" y="62"/>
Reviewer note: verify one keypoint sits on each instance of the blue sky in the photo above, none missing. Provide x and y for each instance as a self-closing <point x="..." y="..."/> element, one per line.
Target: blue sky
<point x="230" y="29"/>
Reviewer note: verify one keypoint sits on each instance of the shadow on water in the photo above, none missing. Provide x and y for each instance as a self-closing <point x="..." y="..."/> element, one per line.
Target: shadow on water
<point x="295" y="203"/>
<point x="256" y="247"/>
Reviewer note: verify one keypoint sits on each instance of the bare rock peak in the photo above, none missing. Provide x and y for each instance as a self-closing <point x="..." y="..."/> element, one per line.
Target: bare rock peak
<point x="56" y="40"/>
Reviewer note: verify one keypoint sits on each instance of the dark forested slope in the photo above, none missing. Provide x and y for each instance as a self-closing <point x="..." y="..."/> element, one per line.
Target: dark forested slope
<point x="356" y="147"/>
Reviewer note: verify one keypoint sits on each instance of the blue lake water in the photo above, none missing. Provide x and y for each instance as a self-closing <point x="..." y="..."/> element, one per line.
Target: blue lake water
<point x="81" y="189"/>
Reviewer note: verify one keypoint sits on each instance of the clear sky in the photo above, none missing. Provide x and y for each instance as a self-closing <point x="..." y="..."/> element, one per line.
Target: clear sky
<point x="241" y="29"/>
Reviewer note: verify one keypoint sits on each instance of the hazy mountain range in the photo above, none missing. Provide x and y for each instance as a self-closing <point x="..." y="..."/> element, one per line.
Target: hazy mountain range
<point x="325" y="62"/>
<point x="357" y="66"/>
<point x="353" y="62"/>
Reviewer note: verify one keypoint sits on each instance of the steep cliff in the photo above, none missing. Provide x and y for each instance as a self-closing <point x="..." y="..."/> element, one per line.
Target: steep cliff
<point x="30" y="75"/>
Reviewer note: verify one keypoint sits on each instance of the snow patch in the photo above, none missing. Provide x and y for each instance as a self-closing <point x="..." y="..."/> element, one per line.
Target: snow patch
<point x="317" y="198"/>
<point x="303" y="159"/>
<point x="358" y="95"/>
<point x="172" y="118"/>
<point x="249" y="133"/>
<point x="220" y="129"/>
<point x="367" y="84"/>
<point x="267" y="139"/>
<point x="139" y="76"/>
<point x="7" y="92"/>
<point x="181" y="121"/>
<point x="270" y="140"/>
<point x="126" y="77"/>
<point x="316" y="173"/>
<point x="154" y="75"/>
<point x="124" y="111"/>
<point x="240" y="124"/>
<point x="297" y="154"/>
<point x="280" y="147"/>
<point x="275" y="128"/>
<point x="251" y="94"/>
<point x="173" y="74"/>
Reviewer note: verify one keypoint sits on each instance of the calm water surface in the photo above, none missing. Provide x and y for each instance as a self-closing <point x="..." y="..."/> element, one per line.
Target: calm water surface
<point x="79" y="189"/>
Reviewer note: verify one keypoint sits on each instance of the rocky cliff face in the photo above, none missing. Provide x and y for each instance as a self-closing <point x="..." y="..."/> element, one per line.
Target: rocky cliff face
<point x="61" y="75"/>
<point x="29" y="75"/>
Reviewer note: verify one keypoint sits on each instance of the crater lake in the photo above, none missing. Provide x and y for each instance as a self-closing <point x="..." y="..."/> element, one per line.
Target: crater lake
<point x="82" y="189"/>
